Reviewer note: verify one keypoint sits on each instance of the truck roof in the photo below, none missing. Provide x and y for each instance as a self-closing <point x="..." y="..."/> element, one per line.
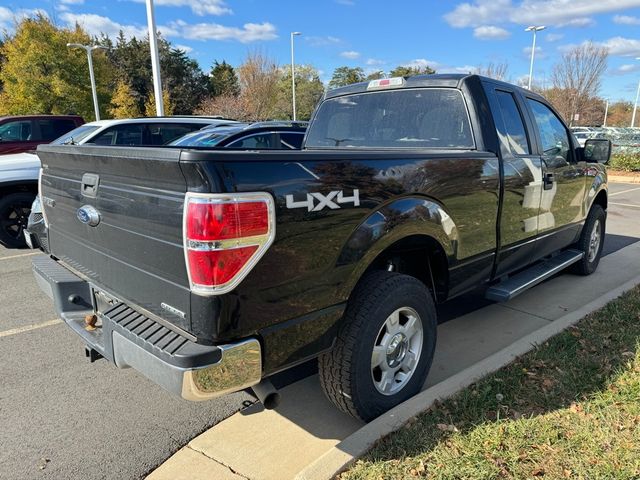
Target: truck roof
<point x="451" y="80"/>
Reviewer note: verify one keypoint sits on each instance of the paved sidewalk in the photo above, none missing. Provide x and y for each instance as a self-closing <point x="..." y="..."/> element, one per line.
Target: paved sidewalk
<point x="278" y="444"/>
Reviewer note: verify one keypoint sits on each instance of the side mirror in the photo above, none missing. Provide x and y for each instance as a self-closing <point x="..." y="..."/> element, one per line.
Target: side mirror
<point x="597" y="150"/>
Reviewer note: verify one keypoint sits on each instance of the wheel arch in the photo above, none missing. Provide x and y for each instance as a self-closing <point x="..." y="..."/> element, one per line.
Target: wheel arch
<point x="414" y="235"/>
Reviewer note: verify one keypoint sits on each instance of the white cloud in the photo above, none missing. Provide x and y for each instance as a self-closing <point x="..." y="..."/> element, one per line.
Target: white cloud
<point x="199" y="7"/>
<point x="422" y="63"/>
<point x="624" y="69"/>
<point x="526" y="12"/>
<point x="184" y="48"/>
<point x="349" y="3"/>
<point x="623" y="47"/>
<point x="9" y="18"/>
<point x="372" y="62"/>
<point x="626" y="20"/>
<point x="580" y="22"/>
<point x="97" y="24"/>
<point x="72" y="2"/>
<point x="539" y="52"/>
<point x="554" y="37"/>
<point x="315" y="41"/>
<point x="489" y="32"/>
<point x="249" y="32"/>
<point x="350" y="54"/>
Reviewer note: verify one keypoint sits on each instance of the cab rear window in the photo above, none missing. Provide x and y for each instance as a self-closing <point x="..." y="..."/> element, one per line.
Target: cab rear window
<point x="407" y="118"/>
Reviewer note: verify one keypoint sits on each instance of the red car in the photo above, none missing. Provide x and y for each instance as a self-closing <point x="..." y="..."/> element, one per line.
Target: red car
<point x="25" y="132"/>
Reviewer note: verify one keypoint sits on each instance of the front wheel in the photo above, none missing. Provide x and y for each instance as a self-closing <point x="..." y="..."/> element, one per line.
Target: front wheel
<point x="591" y="241"/>
<point x="385" y="346"/>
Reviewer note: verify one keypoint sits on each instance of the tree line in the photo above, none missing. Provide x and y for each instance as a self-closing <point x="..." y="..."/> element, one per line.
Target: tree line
<point x="39" y="74"/>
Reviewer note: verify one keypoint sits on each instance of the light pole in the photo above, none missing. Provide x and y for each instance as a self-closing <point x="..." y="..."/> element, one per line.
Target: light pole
<point x="606" y="111"/>
<point x="155" y="60"/>
<point x="89" y="49"/>
<point x="635" y="105"/>
<point x="293" y="76"/>
<point x="534" y="29"/>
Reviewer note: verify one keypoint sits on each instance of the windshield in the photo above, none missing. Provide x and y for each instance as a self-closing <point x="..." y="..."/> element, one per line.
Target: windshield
<point x="406" y="118"/>
<point x="75" y="136"/>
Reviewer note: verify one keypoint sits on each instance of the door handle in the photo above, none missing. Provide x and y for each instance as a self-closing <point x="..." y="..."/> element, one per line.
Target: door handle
<point x="90" y="182"/>
<point x="547" y="181"/>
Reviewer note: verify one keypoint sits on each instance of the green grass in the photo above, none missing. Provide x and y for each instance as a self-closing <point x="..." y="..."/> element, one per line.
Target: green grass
<point x="568" y="409"/>
<point x="626" y="162"/>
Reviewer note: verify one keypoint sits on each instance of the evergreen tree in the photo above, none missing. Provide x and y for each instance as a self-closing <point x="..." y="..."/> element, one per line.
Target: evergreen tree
<point x="343" y="76"/>
<point x="223" y="80"/>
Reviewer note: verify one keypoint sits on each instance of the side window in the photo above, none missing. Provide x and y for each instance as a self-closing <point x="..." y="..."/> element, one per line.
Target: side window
<point x="512" y="133"/>
<point x="553" y="134"/>
<point x="16" y="131"/>
<point x="292" y="141"/>
<point x="163" y="133"/>
<point x="258" y="142"/>
<point x="50" y="129"/>
<point x="120" y="135"/>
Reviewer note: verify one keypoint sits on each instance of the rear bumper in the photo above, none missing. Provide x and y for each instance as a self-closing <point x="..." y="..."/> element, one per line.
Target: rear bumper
<point x="129" y="338"/>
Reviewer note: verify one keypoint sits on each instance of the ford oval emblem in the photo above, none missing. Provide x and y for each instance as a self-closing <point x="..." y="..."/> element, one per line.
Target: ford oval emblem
<point x="89" y="215"/>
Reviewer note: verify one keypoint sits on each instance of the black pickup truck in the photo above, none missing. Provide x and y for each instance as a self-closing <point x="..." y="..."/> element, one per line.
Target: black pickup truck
<point x="208" y="271"/>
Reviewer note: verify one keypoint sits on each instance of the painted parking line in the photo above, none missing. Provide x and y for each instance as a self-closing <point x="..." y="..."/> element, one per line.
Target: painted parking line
<point x="21" y="255"/>
<point x="624" y="191"/>
<point x="28" y="328"/>
<point x="624" y="205"/>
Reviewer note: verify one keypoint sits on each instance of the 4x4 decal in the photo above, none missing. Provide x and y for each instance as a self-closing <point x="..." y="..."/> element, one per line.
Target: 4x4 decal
<point x="331" y="200"/>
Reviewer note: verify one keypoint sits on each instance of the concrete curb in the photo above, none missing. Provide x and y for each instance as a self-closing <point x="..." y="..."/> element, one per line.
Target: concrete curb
<point x="340" y="457"/>
<point x="623" y="179"/>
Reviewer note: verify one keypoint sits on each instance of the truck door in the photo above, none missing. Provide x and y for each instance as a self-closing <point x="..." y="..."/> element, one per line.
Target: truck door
<point x="564" y="181"/>
<point x="522" y="181"/>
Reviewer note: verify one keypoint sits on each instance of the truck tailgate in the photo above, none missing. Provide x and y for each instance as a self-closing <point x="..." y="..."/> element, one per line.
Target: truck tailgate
<point x="135" y="251"/>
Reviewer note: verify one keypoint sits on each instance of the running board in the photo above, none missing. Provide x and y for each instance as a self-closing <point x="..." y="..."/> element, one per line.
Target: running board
<point x="532" y="276"/>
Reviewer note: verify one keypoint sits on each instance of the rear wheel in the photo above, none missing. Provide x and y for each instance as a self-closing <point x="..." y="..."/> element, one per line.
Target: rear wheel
<point x="14" y="216"/>
<point x="591" y="241"/>
<point x="384" y="348"/>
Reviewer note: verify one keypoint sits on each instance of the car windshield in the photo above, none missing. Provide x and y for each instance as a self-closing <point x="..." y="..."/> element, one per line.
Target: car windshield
<point x="405" y="118"/>
<point x="75" y="136"/>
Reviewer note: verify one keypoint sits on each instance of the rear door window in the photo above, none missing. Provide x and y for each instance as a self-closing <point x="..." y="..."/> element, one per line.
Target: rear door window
<point x="510" y="126"/>
<point x="403" y="118"/>
<point x="258" y="141"/>
<point x="16" y="131"/>
<point x="291" y="141"/>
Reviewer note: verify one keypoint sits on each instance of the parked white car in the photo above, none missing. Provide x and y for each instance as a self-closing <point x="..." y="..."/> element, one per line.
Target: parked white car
<point x="19" y="172"/>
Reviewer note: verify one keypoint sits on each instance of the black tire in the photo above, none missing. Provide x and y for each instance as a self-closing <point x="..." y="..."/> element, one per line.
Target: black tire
<point x="14" y="214"/>
<point x="346" y="372"/>
<point x="595" y="220"/>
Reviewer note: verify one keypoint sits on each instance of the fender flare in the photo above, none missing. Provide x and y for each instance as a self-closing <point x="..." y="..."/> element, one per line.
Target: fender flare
<point x="390" y="223"/>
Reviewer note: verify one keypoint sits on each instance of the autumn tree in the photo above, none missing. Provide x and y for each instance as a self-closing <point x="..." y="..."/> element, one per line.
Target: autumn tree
<point x="377" y="75"/>
<point x="41" y="75"/>
<point x="259" y="76"/>
<point x="577" y="78"/>
<point x="181" y="75"/>
<point x="223" y="80"/>
<point x="409" y="71"/>
<point x="309" y="91"/>
<point x="619" y="114"/>
<point x="124" y="103"/>
<point x="150" y="104"/>
<point x="343" y="76"/>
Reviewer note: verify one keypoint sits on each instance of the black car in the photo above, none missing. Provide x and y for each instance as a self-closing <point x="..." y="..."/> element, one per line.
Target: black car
<point x="271" y="135"/>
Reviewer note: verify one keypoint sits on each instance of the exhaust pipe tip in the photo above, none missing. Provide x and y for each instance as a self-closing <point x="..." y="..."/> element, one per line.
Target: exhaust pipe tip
<point x="267" y="394"/>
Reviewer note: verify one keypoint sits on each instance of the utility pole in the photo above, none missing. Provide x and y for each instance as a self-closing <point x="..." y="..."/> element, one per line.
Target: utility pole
<point x="89" y="49"/>
<point x="606" y="111"/>
<point x="293" y="76"/>
<point x="534" y="29"/>
<point x="155" y="59"/>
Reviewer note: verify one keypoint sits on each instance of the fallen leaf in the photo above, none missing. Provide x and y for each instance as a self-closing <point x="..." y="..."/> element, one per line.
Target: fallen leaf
<point x="538" y="472"/>
<point x="567" y="473"/>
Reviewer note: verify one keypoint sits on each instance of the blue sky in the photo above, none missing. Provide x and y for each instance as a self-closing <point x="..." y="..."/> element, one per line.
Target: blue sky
<point x="374" y="34"/>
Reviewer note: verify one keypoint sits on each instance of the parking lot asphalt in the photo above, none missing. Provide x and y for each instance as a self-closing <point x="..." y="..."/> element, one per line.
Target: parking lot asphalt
<point x="61" y="417"/>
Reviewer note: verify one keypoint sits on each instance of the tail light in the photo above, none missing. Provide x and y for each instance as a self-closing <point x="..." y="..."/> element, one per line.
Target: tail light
<point x="224" y="237"/>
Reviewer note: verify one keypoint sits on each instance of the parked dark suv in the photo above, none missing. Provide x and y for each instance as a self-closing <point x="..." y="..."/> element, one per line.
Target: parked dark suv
<point x="26" y="132"/>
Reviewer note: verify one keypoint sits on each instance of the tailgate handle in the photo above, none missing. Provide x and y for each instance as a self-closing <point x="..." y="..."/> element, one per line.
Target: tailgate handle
<point x="90" y="183"/>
